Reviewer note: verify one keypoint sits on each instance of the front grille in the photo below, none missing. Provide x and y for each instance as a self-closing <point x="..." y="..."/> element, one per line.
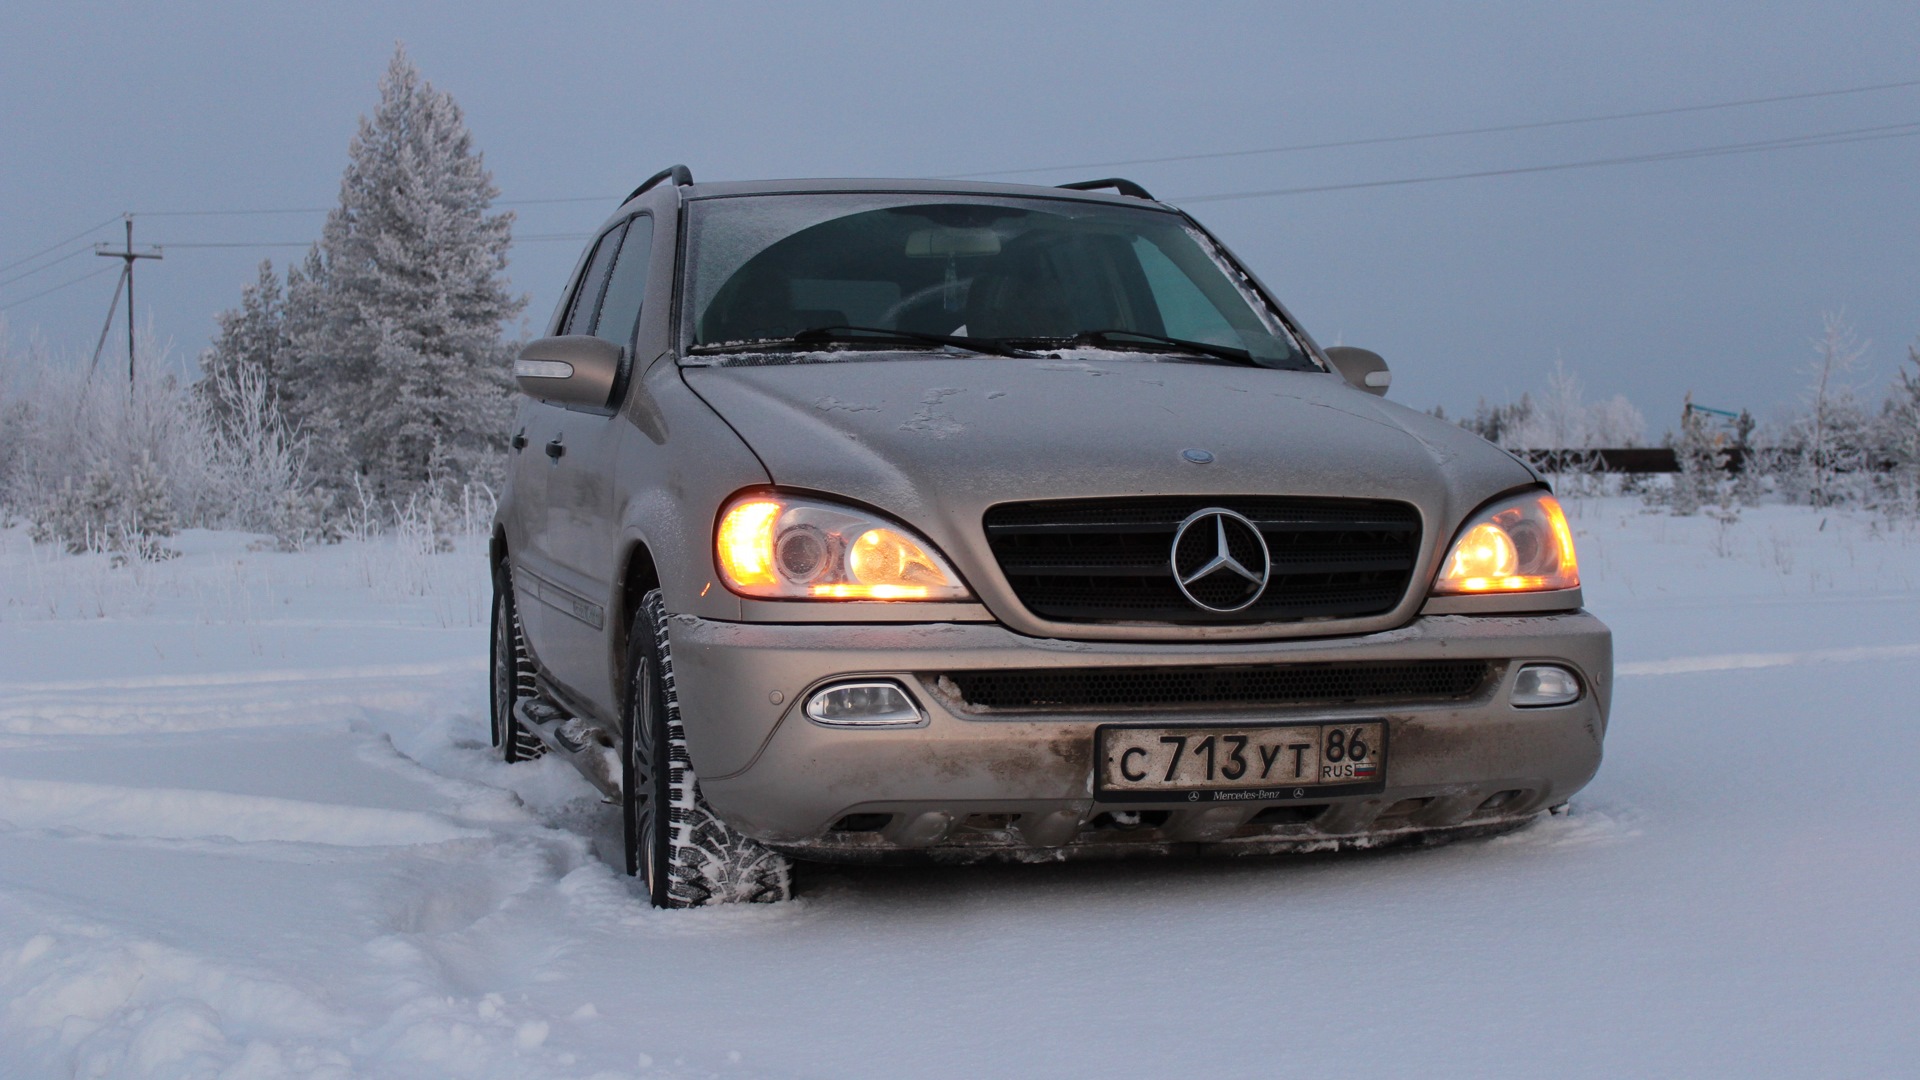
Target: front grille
<point x="1265" y="685"/>
<point x="1110" y="560"/>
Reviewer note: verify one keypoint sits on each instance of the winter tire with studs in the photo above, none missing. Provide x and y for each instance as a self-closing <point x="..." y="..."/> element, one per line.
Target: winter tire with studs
<point x="510" y="676"/>
<point x="684" y="854"/>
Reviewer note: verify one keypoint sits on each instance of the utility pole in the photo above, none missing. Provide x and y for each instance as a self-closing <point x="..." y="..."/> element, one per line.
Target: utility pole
<point x="126" y="278"/>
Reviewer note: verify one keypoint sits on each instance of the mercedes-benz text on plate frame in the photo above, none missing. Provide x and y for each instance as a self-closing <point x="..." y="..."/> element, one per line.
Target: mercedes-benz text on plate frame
<point x="908" y="520"/>
<point x="1235" y="764"/>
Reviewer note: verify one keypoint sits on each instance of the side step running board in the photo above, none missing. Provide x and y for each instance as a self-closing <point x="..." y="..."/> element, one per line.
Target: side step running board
<point x="581" y="743"/>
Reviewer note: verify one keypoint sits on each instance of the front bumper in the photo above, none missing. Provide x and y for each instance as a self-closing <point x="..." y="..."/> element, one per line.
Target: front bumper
<point x="967" y="784"/>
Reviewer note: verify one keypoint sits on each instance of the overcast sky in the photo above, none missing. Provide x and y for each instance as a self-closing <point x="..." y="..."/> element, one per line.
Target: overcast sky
<point x="1707" y="274"/>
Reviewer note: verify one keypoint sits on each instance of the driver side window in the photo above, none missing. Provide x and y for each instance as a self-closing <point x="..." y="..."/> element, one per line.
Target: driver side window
<point x="607" y="304"/>
<point x="586" y="299"/>
<point x="626" y="285"/>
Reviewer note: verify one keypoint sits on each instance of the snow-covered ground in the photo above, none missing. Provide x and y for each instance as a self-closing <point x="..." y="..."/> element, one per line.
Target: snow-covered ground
<point x="250" y="827"/>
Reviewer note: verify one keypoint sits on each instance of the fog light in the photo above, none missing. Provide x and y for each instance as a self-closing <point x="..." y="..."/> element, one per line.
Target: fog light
<point x="1545" y="684"/>
<point x="863" y="704"/>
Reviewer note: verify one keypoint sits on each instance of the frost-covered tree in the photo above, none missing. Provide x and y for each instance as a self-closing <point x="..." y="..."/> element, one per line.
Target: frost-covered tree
<point x="1701" y="454"/>
<point x="1615" y="422"/>
<point x="1562" y="419"/>
<point x="1747" y="486"/>
<point x="1899" y="437"/>
<point x="306" y="381"/>
<point x="397" y="363"/>
<point x="251" y="344"/>
<point x="1558" y="419"/>
<point x="1495" y="423"/>
<point x="1832" y="439"/>
<point x="256" y="465"/>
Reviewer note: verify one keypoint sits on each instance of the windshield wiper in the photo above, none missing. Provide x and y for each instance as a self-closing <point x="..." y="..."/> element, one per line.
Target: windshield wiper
<point x="1119" y="337"/>
<point x="823" y="335"/>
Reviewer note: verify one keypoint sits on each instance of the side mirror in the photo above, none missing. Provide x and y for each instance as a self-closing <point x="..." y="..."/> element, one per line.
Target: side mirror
<point x="571" y="370"/>
<point x="1362" y="368"/>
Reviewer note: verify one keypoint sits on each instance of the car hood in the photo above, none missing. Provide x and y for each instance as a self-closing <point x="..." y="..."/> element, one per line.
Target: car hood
<point x="934" y="442"/>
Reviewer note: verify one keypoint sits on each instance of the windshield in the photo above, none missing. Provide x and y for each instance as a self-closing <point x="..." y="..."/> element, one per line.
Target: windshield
<point x="991" y="271"/>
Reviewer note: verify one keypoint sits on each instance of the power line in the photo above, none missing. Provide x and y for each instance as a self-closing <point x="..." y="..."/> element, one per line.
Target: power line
<point x="1224" y="154"/>
<point x="1818" y="139"/>
<point x="81" y="235"/>
<point x="241" y="244"/>
<point x="309" y="243"/>
<point x="1219" y="155"/>
<point x="236" y="213"/>
<point x="1829" y="138"/>
<point x="1450" y="133"/>
<point x="1673" y="110"/>
<point x="83" y="277"/>
<point x="75" y="253"/>
<point x="326" y="209"/>
<point x="1791" y="142"/>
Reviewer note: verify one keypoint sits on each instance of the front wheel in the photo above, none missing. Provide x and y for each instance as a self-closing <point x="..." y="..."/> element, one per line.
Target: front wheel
<point x="682" y="851"/>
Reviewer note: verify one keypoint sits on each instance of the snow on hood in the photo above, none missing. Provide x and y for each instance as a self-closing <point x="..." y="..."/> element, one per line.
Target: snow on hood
<point x="937" y="439"/>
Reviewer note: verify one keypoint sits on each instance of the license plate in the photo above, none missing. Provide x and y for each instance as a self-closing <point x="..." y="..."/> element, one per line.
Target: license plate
<point x="1237" y="764"/>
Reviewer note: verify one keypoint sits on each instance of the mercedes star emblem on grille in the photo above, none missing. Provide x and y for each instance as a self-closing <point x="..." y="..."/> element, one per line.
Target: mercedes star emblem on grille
<point x="1220" y="560"/>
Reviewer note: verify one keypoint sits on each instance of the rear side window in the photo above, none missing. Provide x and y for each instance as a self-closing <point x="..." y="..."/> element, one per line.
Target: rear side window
<point x="586" y="299"/>
<point x="627" y="285"/>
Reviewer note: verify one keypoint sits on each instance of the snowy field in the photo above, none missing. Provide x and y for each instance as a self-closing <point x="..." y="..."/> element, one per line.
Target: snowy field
<point x="250" y="827"/>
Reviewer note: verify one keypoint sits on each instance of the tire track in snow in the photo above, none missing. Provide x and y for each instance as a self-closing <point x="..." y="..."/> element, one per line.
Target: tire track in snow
<point x="226" y="699"/>
<point x="193" y="814"/>
<point x="1689" y="665"/>
<point x="250" y="678"/>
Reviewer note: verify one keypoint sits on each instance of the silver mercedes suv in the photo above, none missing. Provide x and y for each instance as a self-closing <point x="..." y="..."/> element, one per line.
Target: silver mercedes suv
<point x="865" y="520"/>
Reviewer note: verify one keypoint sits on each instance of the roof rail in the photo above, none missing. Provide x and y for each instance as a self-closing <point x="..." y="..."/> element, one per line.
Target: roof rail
<point x="1124" y="187"/>
<point x="682" y="177"/>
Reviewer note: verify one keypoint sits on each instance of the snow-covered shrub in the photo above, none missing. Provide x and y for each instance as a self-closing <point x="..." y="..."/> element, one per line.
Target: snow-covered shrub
<point x="1826" y="454"/>
<point x="434" y="517"/>
<point x="97" y="464"/>
<point x="124" y="510"/>
<point x="1898" y="441"/>
<point x="258" y="467"/>
<point x="1559" y="419"/>
<point x="419" y="553"/>
<point x="1702" y="456"/>
<point x="251" y="344"/>
<point x="94" y="462"/>
<point x="1562" y="419"/>
<point x="1838" y="430"/>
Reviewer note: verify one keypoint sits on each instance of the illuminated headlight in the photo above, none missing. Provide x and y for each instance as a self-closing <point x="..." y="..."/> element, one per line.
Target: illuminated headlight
<point x="786" y="548"/>
<point x="1544" y="684"/>
<point x="1521" y="544"/>
<point x="881" y="703"/>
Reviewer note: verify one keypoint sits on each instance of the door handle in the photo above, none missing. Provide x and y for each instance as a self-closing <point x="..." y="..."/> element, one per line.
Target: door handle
<point x="519" y="440"/>
<point x="555" y="450"/>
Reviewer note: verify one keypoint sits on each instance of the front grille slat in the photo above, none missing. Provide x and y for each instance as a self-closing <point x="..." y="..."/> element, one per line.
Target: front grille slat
<point x="1226" y="687"/>
<point x="1109" y="560"/>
